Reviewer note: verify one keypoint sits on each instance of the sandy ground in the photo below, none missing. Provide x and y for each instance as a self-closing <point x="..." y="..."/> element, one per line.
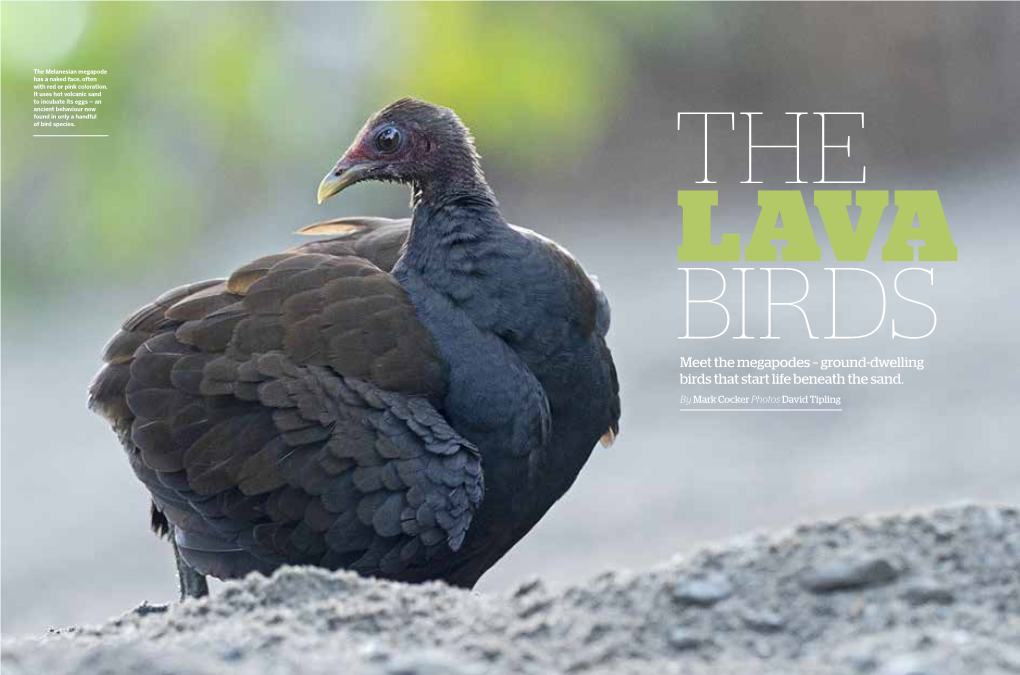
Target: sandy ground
<point x="926" y="593"/>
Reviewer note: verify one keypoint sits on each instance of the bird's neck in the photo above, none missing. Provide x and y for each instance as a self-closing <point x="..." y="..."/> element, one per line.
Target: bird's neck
<point x="459" y="180"/>
<point x="450" y="226"/>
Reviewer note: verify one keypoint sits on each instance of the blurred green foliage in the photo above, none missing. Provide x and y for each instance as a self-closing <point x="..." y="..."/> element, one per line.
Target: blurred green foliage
<point x="209" y="98"/>
<point x="539" y="75"/>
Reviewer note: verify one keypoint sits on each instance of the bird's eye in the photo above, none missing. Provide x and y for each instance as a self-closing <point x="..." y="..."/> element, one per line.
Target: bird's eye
<point x="388" y="140"/>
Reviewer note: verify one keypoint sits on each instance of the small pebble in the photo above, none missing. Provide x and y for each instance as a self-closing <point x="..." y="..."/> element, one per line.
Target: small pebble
<point x="233" y="654"/>
<point x="763" y="649"/>
<point x="528" y="587"/>
<point x="943" y="531"/>
<point x="863" y="663"/>
<point x="928" y="591"/>
<point x="849" y="573"/>
<point x="703" y="591"/>
<point x="683" y="639"/>
<point x="146" y="609"/>
<point x="430" y="662"/>
<point x="763" y="621"/>
<point x="994" y="522"/>
<point x="373" y="651"/>
<point x="907" y="664"/>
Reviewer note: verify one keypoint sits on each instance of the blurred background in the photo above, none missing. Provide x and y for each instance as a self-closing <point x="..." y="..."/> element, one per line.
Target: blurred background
<point x="222" y="118"/>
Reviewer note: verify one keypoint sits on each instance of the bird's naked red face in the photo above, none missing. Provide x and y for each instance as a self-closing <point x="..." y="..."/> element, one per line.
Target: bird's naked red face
<point x="384" y="150"/>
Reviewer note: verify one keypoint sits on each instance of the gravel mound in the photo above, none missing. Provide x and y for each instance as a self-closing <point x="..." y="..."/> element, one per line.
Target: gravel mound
<point x="927" y="593"/>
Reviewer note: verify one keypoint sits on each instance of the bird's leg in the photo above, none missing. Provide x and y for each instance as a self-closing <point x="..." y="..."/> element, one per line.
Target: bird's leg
<point x="192" y="584"/>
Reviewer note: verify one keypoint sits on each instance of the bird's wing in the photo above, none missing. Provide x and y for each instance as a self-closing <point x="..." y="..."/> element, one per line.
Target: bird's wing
<point x="381" y="241"/>
<point x="377" y="239"/>
<point x="591" y="304"/>
<point x="285" y="415"/>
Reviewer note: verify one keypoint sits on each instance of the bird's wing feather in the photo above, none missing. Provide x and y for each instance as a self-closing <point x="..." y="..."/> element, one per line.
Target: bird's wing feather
<point x="284" y="415"/>
<point x="377" y="239"/>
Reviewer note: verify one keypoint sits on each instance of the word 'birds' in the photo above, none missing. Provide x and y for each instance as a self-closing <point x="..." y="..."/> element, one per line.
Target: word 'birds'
<point x="405" y="399"/>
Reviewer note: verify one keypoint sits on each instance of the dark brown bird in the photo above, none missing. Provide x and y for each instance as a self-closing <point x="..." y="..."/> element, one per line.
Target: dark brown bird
<point x="405" y="399"/>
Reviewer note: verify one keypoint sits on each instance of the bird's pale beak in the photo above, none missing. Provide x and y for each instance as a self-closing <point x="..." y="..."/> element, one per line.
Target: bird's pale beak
<point x="345" y="174"/>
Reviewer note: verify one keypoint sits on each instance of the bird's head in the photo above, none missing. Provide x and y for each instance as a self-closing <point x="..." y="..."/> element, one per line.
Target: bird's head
<point x="411" y="142"/>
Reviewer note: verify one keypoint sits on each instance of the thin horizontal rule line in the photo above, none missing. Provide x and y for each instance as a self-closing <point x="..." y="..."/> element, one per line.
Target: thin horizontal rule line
<point x="70" y="135"/>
